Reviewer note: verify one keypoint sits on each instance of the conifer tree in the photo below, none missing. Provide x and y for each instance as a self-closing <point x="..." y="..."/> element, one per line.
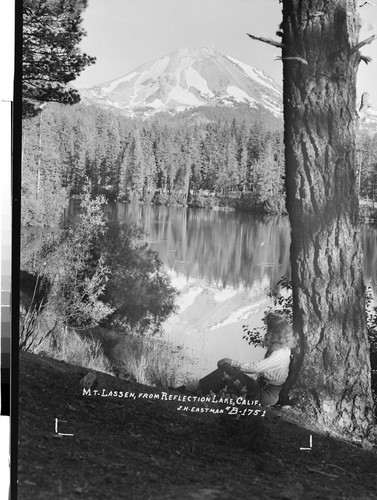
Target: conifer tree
<point x="242" y="138"/>
<point x="43" y="194"/>
<point x="51" y="58"/>
<point x="150" y="166"/>
<point x="321" y="55"/>
<point x="137" y="166"/>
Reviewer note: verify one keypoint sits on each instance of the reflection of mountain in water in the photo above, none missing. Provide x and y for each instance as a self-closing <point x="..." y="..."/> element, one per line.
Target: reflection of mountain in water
<point x="210" y="318"/>
<point x="221" y="263"/>
<point x="221" y="247"/>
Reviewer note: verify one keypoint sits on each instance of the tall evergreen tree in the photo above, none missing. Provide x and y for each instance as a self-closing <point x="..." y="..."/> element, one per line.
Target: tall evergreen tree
<point x="113" y="150"/>
<point x="320" y="60"/>
<point x="150" y="167"/>
<point x="137" y="166"/>
<point x="211" y="158"/>
<point x="43" y="195"/>
<point x="51" y="58"/>
<point x="242" y="138"/>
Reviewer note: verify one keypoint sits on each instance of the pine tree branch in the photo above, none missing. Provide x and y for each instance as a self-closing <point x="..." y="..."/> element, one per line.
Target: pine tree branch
<point x="266" y="40"/>
<point x="299" y="59"/>
<point x="366" y="2"/>
<point x="361" y="44"/>
<point x="366" y="59"/>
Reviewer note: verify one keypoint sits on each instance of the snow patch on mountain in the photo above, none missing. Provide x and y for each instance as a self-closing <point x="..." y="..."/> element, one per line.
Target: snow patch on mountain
<point x="194" y="79"/>
<point x="239" y="94"/>
<point x="271" y="105"/>
<point x="115" y="83"/>
<point x="255" y="74"/>
<point x="184" y="63"/>
<point x="183" y="96"/>
<point x="189" y="78"/>
<point x="155" y="70"/>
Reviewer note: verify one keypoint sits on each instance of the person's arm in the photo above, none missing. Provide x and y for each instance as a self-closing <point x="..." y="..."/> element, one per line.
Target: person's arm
<point x="274" y="361"/>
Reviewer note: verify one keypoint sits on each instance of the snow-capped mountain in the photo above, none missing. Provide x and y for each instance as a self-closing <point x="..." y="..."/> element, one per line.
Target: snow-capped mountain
<point x="188" y="78"/>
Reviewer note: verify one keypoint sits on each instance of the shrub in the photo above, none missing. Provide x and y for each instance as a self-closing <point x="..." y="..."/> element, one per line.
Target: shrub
<point x="372" y="334"/>
<point x="274" y="204"/>
<point x="139" y="290"/>
<point x="282" y="304"/>
<point x="99" y="273"/>
<point x="76" y="276"/>
<point x="34" y="327"/>
<point x="149" y="361"/>
<point x="67" y="345"/>
<point x="160" y="198"/>
<point x="367" y="213"/>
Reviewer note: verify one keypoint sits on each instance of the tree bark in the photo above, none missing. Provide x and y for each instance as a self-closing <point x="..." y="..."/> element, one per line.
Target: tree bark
<point x="332" y="364"/>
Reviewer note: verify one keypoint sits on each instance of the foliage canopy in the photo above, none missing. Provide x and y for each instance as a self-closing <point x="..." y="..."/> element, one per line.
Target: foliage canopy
<point x="99" y="272"/>
<point x="51" y="58"/>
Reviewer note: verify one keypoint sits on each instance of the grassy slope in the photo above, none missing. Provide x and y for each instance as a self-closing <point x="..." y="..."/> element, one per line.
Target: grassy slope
<point x="142" y="449"/>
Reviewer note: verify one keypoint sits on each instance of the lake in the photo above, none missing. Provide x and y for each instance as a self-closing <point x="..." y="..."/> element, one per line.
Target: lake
<point x="222" y="263"/>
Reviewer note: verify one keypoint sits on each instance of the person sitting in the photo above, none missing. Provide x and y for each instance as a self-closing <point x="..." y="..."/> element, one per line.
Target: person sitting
<point x="272" y="371"/>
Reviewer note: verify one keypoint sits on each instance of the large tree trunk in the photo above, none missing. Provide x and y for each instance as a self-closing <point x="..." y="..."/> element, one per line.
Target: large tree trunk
<point x="333" y="382"/>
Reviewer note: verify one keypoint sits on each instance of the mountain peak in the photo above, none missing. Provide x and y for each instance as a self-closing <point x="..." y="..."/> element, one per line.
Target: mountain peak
<point x="195" y="52"/>
<point x="187" y="78"/>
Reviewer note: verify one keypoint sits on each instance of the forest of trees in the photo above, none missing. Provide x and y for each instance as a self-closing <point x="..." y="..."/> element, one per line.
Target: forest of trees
<point x="234" y="163"/>
<point x="128" y="159"/>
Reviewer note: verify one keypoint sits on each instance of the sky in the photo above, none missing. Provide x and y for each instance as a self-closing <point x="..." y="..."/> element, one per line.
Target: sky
<point x="123" y="34"/>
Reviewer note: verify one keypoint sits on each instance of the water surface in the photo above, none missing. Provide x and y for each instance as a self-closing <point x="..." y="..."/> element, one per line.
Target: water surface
<point x="222" y="263"/>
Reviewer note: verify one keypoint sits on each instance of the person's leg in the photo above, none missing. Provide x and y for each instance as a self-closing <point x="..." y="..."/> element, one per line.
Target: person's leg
<point x="227" y="375"/>
<point x="270" y="394"/>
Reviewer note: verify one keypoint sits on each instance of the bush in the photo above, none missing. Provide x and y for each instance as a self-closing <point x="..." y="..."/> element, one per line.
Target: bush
<point x="274" y="205"/>
<point x="34" y="327"/>
<point x="149" y="361"/>
<point x="200" y="201"/>
<point x="138" y="290"/>
<point x="282" y="304"/>
<point x="99" y="273"/>
<point x="367" y="213"/>
<point x="76" y="273"/>
<point x="65" y="344"/>
<point x="372" y="334"/>
<point x="160" y="198"/>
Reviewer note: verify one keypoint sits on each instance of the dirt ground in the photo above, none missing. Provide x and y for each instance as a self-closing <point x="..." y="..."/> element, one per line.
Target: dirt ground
<point x="147" y="448"/>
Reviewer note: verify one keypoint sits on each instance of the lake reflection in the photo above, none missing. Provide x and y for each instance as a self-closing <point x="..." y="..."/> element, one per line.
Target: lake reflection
<point x="223" y="248"/>
<point x="222" y="263"/>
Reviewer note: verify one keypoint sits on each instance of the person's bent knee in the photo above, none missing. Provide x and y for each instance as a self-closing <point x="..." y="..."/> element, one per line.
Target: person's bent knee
<point x="224" y="361"/>
<point x="230" y="370"/>
<point x="226" y="367"/>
